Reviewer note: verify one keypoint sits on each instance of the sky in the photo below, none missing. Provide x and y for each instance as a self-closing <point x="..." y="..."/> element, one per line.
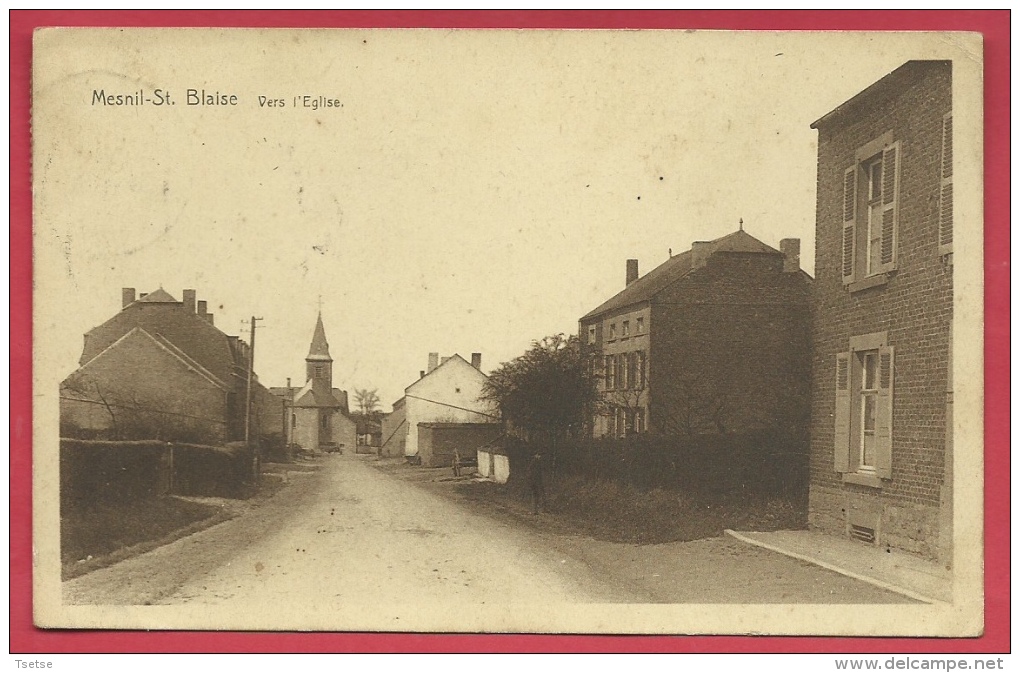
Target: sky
<point x="475" y="190"/>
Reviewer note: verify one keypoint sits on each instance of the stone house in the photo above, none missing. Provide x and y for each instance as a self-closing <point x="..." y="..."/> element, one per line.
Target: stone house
<point x="881" y="432"/>
<point x="160" y="361"/>
<point x="715" y="339"/>
<point x="449" y="391"/>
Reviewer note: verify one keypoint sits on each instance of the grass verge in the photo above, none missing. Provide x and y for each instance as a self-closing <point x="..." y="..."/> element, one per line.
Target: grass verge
<point x="615" y="513"/>
<point x="108" y="533"/>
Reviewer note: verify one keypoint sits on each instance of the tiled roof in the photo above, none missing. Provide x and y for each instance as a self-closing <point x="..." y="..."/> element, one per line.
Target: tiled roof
<point x="675" y="268"/>
<point x="160" y="296"/>
<point x="172" y="321"/>
<point x="898" y="80"/>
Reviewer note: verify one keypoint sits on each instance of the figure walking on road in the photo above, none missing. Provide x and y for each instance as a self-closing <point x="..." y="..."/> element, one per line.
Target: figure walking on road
<point x="536" y="484"/>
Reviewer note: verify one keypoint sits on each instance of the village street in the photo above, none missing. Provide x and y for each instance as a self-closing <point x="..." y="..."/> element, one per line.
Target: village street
<point x="349" y="533"/>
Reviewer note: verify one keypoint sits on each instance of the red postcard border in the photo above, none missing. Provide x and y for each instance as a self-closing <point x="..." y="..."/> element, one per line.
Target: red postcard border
<point x="993" y="24"/>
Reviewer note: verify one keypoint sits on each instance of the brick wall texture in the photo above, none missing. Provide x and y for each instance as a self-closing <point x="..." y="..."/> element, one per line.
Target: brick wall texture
<point x="732" y="335"/>
<point x="914" y="307"/>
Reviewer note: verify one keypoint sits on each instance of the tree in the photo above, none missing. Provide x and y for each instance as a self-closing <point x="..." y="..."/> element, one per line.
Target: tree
<point x="544" y="394"/>
<point x="367" y="400"/>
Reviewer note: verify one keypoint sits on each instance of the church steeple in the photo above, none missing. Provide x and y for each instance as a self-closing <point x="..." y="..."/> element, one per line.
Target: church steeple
<point x="320" y="347"/>
<point x="318" y="364"/>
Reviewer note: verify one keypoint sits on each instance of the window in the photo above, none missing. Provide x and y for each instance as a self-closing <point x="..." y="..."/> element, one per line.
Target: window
<point x="640" y="326"/>
<point x="638" y="381"/>
<point x="612" y="330"/>
<point x="621" y="371"/>
<point x="639" y="420"/>
<point x="591" y="334"/>
<point x="624" y="421"/>
<point x="871" y="211"/>
<point x="319" y="371"/>
<point x="325" y="422"/>
<point x="611" y="423"/>
<point x="946" y="188"/>
<point x="610" y="367"/>
<point x="626" y="328"/>
<point x="863" y="415"/>
<point x="293" y="420"/>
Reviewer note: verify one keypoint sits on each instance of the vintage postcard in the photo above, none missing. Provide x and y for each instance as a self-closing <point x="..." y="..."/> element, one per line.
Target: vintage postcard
<point x="529" y="331"/>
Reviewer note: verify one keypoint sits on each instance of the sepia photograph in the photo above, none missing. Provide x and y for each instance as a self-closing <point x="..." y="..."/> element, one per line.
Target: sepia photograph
<point x="508" y="331"/>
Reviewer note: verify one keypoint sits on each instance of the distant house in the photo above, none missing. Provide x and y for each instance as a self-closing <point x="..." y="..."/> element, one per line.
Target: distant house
<point x="369" y="433"/>
<point x="394" y="431"/>
<point x="160" y="367"/>
<point x="317" y="416"/>
<point x="881" y="433"/>
<point x="715" y="339"/>
<point x="448" y="392"/>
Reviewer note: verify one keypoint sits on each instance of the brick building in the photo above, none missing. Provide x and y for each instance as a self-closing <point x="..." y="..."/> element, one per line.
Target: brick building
<point x="881" y="440"/>
<point x="160" y="365"/>
<point x="715" y="339"/>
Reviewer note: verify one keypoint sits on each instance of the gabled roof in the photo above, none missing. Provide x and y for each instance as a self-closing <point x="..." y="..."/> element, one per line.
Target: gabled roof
<point x="181" y="357"/>
<point x="319" y="349"/>
<point x="309" y="397"/>
<point x="675" y="268"/>
<point x="447" y="362"/>
<point x="189" y="332"/>
<point x="160" y="296"/>
<point x="898" y="80"/>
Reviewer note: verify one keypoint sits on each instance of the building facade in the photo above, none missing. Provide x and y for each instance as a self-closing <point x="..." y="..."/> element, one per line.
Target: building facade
<point x="160" y="365"/>
<point x="449" y="391"/>
<point x="881" y="434"/>
<point x="715" y="339"/>
<point x="317" y="415"/>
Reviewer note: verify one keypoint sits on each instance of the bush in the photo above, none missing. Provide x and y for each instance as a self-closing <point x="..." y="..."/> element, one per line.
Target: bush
<point x="756" y="465"/>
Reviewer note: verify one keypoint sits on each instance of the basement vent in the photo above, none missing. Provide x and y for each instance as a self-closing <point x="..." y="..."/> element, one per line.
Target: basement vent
<point x="863" y="534"/>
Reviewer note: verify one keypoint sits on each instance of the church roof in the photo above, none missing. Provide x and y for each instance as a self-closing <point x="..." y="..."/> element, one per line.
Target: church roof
<point x="319" y="349"/>
<point x="309" y="396"/>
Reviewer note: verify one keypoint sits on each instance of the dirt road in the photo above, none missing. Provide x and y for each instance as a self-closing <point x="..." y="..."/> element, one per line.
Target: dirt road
<point x="350" y="534"/>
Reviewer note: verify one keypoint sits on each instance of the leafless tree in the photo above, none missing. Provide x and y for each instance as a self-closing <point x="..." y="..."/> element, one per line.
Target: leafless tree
<point x="367" y="400"/>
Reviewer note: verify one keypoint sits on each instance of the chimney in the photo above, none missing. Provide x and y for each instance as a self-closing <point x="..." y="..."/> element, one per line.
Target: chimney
<point x="443" y="361"/>
<point x="127" y="296"/>
<point x="143" y="295"/>
<point x="433" y="361"/>
<point x="632" y="271"/>
<point x="189" y="301"/>
<point x="700" y="251"/>
<point x="288" y="382"/>
<point x="790" y="247"/>
<point x="476" y="360"/>
<point x="421" y="373"/>
<point x="203" y="311"/>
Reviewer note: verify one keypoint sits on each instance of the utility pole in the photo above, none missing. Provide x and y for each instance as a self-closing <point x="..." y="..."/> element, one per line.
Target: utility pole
<point x="251" y="367"/>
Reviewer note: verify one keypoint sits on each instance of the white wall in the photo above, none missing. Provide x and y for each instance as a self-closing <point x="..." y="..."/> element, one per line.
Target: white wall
<point x="449" y="394"/>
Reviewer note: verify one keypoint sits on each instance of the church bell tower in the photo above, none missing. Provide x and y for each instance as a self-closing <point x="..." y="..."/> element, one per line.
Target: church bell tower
<point x="318" y="364"/>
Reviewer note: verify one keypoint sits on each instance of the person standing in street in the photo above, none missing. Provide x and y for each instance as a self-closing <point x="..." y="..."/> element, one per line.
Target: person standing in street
<point x="536" y="483"/>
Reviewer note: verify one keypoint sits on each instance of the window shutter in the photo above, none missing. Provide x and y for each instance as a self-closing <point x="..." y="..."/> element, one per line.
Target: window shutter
<point x="890" y="204"/>
<point x="946" y="188"/>
<point x="842" y="438"/>
<point x="849" y="222"/>
<point x="883" y="414"/>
